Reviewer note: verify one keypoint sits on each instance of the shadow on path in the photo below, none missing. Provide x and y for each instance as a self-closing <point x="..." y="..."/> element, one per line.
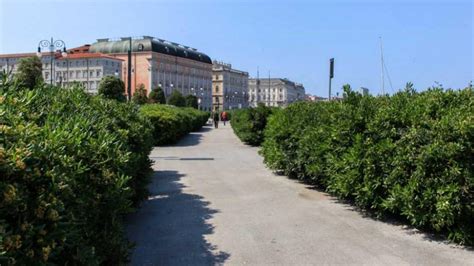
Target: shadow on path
<point x="170" y="228"/>
<point x="191" y="139"/>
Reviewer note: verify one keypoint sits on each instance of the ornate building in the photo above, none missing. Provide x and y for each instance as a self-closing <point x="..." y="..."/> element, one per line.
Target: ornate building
<point x="156" y="62"/>
<point x="84" y="68"/>
<point x="274" y="91"/>
<point x="229" y="87"/>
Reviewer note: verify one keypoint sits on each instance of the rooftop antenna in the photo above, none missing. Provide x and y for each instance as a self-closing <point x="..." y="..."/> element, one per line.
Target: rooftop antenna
<point x="381" y="67"/>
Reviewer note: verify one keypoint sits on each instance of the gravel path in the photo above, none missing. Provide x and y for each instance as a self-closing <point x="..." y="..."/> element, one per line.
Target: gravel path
<point x="214" y="202"/>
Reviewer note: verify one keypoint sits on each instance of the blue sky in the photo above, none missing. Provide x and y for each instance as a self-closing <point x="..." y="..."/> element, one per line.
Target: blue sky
<point x="424" y="41"/>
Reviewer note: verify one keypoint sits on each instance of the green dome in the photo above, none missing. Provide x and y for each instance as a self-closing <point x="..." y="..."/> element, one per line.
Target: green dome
<point x="107" y="46"/>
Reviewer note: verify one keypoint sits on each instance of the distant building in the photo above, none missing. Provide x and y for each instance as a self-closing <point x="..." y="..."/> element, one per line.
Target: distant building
<point x="274" y="91"/>
<point x="229" y="87"/>
<point x="87" y="69"/>
<point x="9" y="63"/>
<point x="314" y="98"/>
<point x="84" y="68"/>
<point x="364" y="91"/>
<point x="156" y="62"/>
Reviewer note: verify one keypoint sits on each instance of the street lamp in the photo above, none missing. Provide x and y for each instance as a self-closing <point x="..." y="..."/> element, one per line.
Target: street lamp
<point x="51" y="45"/>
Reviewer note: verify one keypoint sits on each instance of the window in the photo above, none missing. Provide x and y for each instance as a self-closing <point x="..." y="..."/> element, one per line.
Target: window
<point x="91" y="73"/>
<point x="98" y="73"/>
<point x="217" y="88"/>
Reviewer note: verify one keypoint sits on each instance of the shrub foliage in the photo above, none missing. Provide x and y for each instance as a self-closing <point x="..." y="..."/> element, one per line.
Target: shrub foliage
<point x="29" y="73"/>
<point x="177" y="99"/>
<point x="171" y="123"/>
<point x="410" y="155"/>
<point x="140" y="95"/>
<point x="71" y="165"/>
<point x="249" y="124"/>
<point x="111" y="87"/>
<point x="157" y="96"/>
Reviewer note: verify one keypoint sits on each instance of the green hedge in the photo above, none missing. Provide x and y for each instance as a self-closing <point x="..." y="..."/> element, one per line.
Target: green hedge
<point x="172" y="123"/>
<point x="249" y="124"/>
<point x="409" y="155"/>
<point x="71" y="165"/>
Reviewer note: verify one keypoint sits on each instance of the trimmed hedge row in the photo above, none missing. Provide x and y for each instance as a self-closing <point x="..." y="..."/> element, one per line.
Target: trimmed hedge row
<point x="410" y="155"/>
<point x="71" y="165"/>
<point x="249" y="124"/>
<point x="172" y="123"/>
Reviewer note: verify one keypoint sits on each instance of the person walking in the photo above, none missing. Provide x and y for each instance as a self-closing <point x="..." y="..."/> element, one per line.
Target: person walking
<point x="216" y="119"/>
<point x="224" y="117"/>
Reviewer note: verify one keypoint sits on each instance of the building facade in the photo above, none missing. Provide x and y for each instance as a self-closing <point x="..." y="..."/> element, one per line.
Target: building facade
<point x="87" y="69"/>
<point x="9" y="63"/>
<point x="274" y="92"/>
<point x="160" y="63"/>
<point x="229" y="87"/>
<point x="84" y="68"/>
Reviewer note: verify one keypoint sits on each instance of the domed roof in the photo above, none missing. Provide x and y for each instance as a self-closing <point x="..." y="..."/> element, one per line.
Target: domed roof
<point x="147" y="43"/>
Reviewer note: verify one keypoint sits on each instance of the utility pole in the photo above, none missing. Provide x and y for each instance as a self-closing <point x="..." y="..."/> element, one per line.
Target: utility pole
<point x="331" y="75"/>
<point x="381" y="67"/>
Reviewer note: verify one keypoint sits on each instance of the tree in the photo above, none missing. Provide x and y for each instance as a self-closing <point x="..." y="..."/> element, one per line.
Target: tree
<point x="111" y="87"/>
<point x="29" y="72"/>
<point x="157" y="96"/>
<point x="191" y="101"/>
<point x="177" y="99"/>
<point x="139" y="96"/>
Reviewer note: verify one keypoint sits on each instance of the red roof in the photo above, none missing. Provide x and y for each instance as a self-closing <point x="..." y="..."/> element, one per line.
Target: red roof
<point x="89" y="55"/>
<point x="19" y="55"/>
<point x="80" y="49"/>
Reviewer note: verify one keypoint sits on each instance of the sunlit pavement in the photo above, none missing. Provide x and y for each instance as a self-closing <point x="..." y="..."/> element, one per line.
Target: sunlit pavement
<point x="213" y="202"/>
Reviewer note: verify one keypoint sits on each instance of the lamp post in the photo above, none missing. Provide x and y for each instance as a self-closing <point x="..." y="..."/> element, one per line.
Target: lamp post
<point x="52" y="44"/>
<point x="64" y="54"/>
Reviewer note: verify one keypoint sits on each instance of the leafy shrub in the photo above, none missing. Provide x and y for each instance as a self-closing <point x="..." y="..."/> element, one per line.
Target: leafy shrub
<point x="408" y="155"/>
<point x="71" y="165"/>
<point x="29" y="73"/>
<point x="157" y="96"/>
<point x="191" y="101"/>
<point x="177" y="99"/>
<point x="249" y="124"/>
<point x="111" y="87"/>
<point x="172" y="123"/>
<point x="139" y="96"/>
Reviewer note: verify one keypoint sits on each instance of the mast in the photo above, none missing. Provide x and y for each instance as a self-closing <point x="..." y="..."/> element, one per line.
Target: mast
<point x="381" y="67"/>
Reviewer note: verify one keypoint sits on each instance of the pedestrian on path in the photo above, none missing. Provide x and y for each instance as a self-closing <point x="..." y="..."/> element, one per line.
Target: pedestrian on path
<point x="224" y="116"/>
<point x="216" y="119"/>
